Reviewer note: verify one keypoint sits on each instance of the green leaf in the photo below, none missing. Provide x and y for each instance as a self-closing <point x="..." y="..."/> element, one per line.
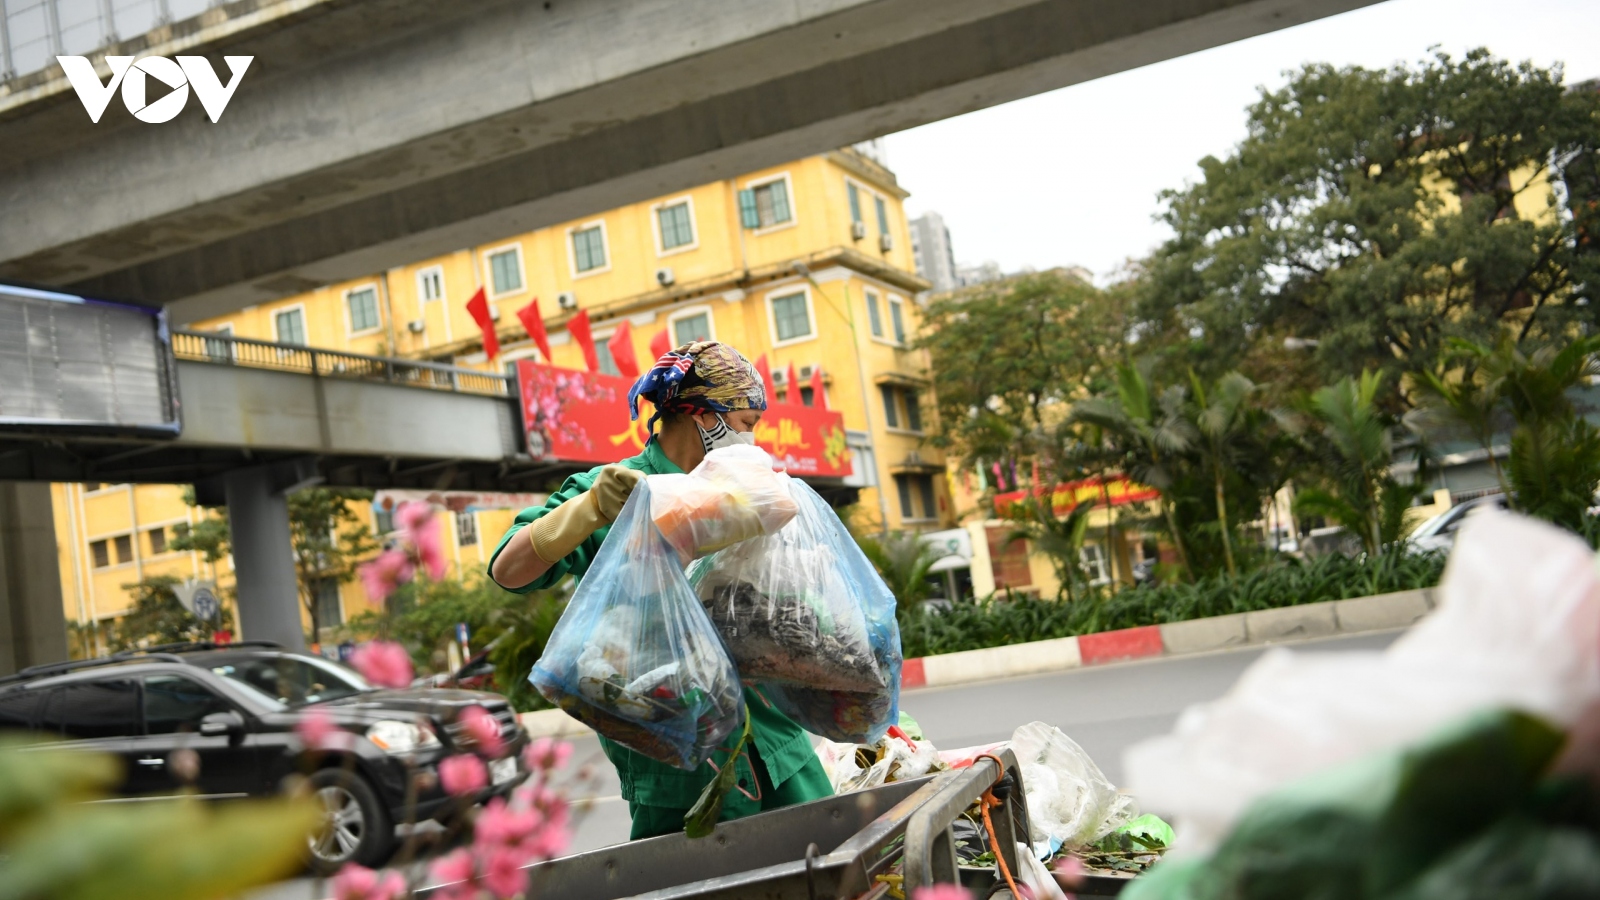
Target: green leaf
<point x="701" y="820"/>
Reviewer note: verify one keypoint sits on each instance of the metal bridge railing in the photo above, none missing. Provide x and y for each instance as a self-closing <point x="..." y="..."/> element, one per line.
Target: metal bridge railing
<point x="225" y="349"/>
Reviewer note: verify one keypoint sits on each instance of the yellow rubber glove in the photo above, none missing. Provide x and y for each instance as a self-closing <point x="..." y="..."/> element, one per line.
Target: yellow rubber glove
<point x="559" y="532"/>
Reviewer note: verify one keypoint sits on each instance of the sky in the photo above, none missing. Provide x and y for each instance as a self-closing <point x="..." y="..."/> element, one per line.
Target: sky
<point x="1071" y="177"/>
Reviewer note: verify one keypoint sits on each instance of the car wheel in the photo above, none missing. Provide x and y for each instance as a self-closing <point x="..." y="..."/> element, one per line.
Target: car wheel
<point x="355" y="827"/>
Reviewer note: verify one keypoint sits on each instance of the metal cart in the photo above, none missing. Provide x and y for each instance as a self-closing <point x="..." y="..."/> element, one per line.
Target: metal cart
<point x="830" y="849"/>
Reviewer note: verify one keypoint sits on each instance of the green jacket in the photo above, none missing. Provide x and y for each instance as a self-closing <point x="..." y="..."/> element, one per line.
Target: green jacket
<point x="782" y="745"/>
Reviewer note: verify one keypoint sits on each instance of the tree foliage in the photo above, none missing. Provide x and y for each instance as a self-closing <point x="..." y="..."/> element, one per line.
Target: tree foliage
<point x="1383" y="213"/>
<point x="329" y="540"/>
<point x="157" y="617"/>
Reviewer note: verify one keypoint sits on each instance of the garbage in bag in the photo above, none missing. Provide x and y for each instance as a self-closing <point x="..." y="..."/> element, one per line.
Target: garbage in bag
<point x="1071" y="803"/>
<point x="804" y="614"/>
<point x="634" y="656"/>
<point x="1473" y="811"/>
<point x="897" y="757"/>
<point x="1517" y="625"/>
<point x="732" y="496"/>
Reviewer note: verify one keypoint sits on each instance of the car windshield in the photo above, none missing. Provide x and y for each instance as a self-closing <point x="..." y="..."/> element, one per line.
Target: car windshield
<point x="294" y="680"/>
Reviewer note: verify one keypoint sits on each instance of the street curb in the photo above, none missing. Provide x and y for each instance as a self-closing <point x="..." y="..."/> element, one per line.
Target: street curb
<point x="1383" y="612"/>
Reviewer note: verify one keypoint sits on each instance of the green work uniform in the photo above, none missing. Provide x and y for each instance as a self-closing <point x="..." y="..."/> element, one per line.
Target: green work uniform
<point x="780" y="768"/>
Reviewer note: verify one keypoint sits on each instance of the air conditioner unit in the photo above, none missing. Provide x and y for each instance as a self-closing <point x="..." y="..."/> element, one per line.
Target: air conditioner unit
<point x="779" y="376"/>
<point x="805" y="371"/>
<point x="415" y="326"/>
<point x="885" y="243"/>
<point x="858" y="230"/>
<point x="567" y="300"/>
<point x="664" y="276"/>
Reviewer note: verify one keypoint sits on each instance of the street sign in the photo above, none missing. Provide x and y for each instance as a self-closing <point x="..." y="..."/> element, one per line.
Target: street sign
<point x="206" y="605"/>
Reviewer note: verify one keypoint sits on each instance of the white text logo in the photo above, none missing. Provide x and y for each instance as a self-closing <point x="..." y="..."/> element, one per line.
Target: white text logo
<point x="187" y="72"/>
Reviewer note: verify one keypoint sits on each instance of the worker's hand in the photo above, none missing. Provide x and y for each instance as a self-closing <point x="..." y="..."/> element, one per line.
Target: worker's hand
<point x="611" y="489"/>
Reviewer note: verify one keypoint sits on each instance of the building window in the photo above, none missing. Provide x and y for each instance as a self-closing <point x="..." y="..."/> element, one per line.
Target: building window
<point x="608" y="363"/>
<point x="891" y="411"/>
<point x="382" y="520"/>
<point x="930" y="505"/>
<point x="808" y="396"/>
<point x="913" y="411"/>
<point x="676" y="224"/>
<point x="692" y="328"/>
<point x="897" y="319"/>
<point x="290" y="326"/>
<point x="903" y="482"/>
<point x="158" y="541"/>
<point x="874" y="316"/>
<point x="330" y="611"/>
<point x="101" y="552"/>
<point x="772" y="203"/>
<point x="124" y="548"/>
<point x="1093" y="560"/>
<point x="914" y="490"/>
<point x="855" y="201"/>
<point x="505" y="271"/>
<point x="363" y="306"/>
<point x="883" y="214"/>
<point x="430" y="284"/>
<point x="466" y="528"/>
<point x="790" y="317"/>
<point x="218" y="350"/>
<point x="589" y="248"/>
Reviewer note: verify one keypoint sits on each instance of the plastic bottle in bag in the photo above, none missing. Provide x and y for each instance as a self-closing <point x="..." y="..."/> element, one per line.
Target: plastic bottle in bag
<point x="634" y="656"/>
<point x="804" y="614"/>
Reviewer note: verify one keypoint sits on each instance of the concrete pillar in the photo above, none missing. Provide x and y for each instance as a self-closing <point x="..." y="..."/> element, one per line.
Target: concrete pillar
<point x="263" y="560"/>
<point x="33" y="628"/>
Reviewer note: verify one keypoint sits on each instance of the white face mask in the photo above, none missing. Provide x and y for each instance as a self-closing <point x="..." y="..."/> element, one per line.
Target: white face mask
<point x="720" y="435"/>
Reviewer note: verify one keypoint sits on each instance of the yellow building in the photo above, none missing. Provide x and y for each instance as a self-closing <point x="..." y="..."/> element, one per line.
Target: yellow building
<point x="807" y="263"/>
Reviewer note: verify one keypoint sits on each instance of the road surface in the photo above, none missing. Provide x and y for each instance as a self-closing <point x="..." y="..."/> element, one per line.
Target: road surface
<point x="1104" y="708"/>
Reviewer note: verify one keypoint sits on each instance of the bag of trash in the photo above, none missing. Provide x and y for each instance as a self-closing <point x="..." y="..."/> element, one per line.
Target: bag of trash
<point x="804" y="614"/>
<point x="634" y="656"/>
<point x="1070" y="801"/>
<point x="732" y="496"/>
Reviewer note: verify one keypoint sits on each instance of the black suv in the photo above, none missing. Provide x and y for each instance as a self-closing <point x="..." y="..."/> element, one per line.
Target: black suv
<point x="236" y="707"/>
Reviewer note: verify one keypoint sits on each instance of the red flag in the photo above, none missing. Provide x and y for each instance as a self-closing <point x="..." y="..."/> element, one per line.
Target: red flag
<point x="660" y="344"/>
<point x="534" y="322"/>
<point x="766" y="380"/>
<point x="793" y="382"/>
<point x="819" y="398"/>
<point x="578" y="325"/>
<point x="478" y="309"/>
<point x="621" y="346"/>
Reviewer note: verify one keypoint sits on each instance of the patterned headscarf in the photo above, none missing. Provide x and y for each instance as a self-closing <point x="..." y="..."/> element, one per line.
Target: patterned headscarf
<point x="701" y="376"/>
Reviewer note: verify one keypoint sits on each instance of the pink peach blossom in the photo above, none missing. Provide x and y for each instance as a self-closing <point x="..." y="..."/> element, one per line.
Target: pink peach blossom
<point x="455" y="876"/>
<point x="484" y="730"/>
<point x="317" y="730"/>
<point x="499" y="823"/>
<point x="385" y="573"/>
<point x="384" y="663"/>
<point x="547" y="754"/>
<point x="428" y="540"/>
<point x="941" y="892"/>
<point x="503" y="874"/>
<point x="462" y="775"/>
<point x="361" y="883"/>
<point x="1068" y="871"/>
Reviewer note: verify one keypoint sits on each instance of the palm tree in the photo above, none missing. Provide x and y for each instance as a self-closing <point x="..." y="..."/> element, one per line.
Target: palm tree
<point x="1226" y="426"/>
<point x="1151" y="434"/>
<point x="1354" y="450"/>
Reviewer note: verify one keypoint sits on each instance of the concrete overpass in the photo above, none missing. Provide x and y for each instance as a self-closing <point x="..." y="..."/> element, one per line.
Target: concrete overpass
<point x="371" y="133"/>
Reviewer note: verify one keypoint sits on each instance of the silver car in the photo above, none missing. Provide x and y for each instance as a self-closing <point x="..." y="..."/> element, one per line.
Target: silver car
<point x="1439" y="532"/>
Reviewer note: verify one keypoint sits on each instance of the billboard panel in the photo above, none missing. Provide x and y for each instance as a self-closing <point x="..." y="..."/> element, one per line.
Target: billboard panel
<point x="79" y="364"/>
<point x="577" y="416"/>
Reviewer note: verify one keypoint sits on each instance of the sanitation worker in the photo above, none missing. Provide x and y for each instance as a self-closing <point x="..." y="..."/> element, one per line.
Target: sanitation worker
<point x="706" y="395"/>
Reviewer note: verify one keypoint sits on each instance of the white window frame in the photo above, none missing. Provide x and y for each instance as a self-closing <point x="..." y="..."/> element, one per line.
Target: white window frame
<point x="303" y="323"/>
<point x="890" y="301"/>
<point x="689" y="312"/>
<point x="655" y="228"/>
<point x="1101" y="562"/>
<point x="794" y="207"/>
<point x="488" y="270"/>
<point x="377" y="308"/>
<point x="772" y="318"/>
<point x="572" y="252"/>
<point x="422" y="293"/>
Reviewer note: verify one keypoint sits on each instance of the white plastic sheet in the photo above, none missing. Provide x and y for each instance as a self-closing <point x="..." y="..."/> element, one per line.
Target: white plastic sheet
<point x="1070" y="801"/>
<point x="1517" y="625"/>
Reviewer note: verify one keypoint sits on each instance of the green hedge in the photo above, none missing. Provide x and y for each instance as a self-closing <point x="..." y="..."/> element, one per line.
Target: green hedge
<point x="999" y="621"/>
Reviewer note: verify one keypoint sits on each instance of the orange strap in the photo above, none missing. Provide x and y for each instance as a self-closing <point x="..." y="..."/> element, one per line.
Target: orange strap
<point x="988" y="826"/>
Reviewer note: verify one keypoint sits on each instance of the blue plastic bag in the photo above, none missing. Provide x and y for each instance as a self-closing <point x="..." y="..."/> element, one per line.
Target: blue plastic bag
<point x="807" y="619"/>
<point x="634" y="656"/>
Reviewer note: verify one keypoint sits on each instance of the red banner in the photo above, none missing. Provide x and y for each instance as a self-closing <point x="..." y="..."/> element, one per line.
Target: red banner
<point x="1064" y="497"/>
<point x="577" y="416"/>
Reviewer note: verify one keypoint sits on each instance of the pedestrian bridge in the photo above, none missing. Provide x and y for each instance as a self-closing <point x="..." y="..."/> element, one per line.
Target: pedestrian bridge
<point x="349" y="419"/>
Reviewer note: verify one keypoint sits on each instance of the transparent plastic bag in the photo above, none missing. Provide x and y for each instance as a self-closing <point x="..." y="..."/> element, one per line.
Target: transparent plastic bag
<point x="804" y="615"/>
<point x="634" y="656"/>
<point x="1070" y="801"/>
<point x="732" y="496"/>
